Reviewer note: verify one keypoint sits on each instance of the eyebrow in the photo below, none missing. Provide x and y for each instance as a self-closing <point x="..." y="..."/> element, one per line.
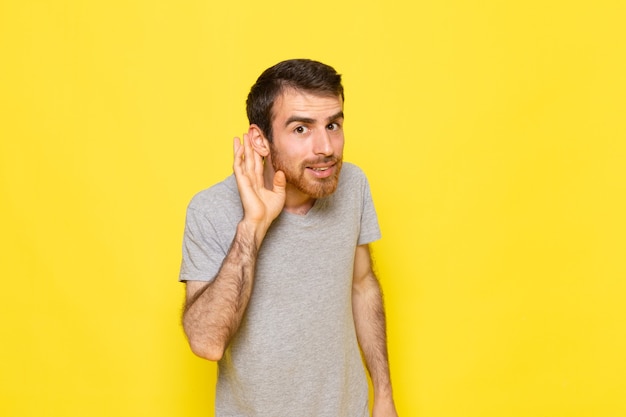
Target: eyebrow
<point x="308" y="120"/>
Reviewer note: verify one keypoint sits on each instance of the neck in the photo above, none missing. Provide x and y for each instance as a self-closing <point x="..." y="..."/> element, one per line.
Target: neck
<point x="297" y="202"/>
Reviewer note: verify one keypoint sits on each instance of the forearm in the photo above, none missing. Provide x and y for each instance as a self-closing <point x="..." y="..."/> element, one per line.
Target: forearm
<point x="213" y="314"/>
<point x="369" y="317"/>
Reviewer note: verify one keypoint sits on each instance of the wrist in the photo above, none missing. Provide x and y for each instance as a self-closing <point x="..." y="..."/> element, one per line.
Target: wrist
<point x="252" y="231"/>
<point x="383" y="393"/>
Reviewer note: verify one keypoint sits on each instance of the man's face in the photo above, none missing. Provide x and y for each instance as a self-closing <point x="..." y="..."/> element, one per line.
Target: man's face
<point x="308" y="141"/>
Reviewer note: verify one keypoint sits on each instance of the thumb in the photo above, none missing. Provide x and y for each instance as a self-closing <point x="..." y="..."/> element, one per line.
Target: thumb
<point x="279" y="182"/>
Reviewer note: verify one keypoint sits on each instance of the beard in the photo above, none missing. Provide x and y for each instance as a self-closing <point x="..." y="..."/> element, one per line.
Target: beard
<point x="295" y="175"/>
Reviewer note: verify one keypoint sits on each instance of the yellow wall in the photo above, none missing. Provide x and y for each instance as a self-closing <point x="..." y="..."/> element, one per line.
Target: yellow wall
<point x="494" y="136"/>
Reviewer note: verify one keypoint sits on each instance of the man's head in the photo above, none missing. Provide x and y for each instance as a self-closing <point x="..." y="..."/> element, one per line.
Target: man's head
<point x="302" y="75"/>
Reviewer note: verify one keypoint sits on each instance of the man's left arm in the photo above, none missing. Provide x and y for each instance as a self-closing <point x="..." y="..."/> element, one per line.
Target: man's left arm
<point x="369" y="319"/>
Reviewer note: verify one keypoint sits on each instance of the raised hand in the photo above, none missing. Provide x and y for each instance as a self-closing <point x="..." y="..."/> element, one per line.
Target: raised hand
<point x="260" y="205"/>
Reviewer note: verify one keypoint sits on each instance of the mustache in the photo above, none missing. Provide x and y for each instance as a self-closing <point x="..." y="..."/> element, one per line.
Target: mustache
<point x="323" y="160"/>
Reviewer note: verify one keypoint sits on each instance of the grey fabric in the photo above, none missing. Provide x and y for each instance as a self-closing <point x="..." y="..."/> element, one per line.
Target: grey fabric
<point x="295" y="353"/>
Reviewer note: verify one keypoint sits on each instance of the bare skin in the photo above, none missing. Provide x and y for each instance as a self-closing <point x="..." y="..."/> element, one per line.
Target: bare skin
<point x="369" y="320"/>
<point x="308" y="145"/>
<point x="214" y="311"/>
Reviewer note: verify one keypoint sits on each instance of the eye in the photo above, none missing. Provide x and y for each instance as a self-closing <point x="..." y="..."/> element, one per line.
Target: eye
<point x="333" y="126"/>
<point x="301" y="130"/>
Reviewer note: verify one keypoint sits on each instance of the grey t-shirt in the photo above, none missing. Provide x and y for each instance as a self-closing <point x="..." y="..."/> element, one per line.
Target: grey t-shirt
<point x="296" y="352"/>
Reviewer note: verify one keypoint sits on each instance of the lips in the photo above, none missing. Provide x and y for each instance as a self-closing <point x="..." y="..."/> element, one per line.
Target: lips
<point x="321" y="171"/>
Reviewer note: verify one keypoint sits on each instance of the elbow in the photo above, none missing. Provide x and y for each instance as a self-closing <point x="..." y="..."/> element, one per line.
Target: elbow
<point x="203" y="342"/>
<point x="209" y="353"/>
<point x="206" y="349"/>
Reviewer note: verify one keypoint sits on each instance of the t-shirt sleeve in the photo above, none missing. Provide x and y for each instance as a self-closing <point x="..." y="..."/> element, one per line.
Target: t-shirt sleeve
<point x="370" y="230"/>
<point x="203" y="252"/>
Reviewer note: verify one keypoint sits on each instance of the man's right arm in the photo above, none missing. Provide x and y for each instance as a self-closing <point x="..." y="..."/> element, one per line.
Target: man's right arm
<point x="213" y="311"/>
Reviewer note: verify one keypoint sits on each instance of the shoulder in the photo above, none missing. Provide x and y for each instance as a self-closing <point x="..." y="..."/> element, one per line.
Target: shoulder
<point x="352" y="188"/>
<point x="352" y="179"/>
<point x="218" y="205"/>
<point x="351" y="173"/>
<point x="223" y="194"/>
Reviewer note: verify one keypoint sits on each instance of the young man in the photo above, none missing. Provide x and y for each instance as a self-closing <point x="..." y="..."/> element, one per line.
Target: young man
<point x="280" y="287"/>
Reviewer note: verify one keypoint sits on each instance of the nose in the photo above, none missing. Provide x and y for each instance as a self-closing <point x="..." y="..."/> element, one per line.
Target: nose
<point x="322" y="143"/>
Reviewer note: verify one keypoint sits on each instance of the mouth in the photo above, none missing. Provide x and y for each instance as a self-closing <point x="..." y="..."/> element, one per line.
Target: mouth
<point x="322" y="170"/>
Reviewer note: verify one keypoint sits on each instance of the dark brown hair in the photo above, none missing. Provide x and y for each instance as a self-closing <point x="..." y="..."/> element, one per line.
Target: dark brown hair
<point x="299" y="74"/>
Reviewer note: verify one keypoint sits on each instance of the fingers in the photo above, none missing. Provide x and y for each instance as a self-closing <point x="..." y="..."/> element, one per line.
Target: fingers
<point x="243" y="162"/>
<point x="247" y="164"/>
<point x="258" y="168"/>
<point x="280" y="182"/>
<point x="237" y="157"/>
<point x="248" y="155"/>
<point x="237" y="148"/>
<point x="260" y="205"/>
<point x="247" y="161"/>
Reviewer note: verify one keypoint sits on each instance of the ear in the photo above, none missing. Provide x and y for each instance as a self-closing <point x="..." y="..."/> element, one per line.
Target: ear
<point x="258" y="140"/>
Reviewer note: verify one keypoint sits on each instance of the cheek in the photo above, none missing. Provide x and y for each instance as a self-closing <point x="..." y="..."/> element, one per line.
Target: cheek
<point x="290" y="155"/>
<point x="338" y="145"/>
<point x="298" y="150"/>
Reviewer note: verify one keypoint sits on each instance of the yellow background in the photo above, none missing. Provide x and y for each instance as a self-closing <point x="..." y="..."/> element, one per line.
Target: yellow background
<point x="493" y="135"/>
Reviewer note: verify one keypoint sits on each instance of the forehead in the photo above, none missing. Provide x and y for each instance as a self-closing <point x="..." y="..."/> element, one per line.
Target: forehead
<point x="292" y="101"/>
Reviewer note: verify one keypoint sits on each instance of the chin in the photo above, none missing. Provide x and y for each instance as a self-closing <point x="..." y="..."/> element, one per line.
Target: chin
<point x="323" y="191"/>
<point x="319" y="188"/>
